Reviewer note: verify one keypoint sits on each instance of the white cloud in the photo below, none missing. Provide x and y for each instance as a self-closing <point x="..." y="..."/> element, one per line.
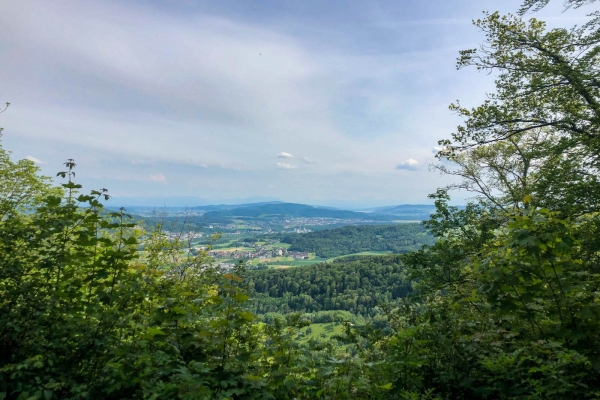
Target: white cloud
<point x="35" y="160"/>
<point x="142" y="162"/>
<point x="150" y="88"/>
<point x="157" y="178"/>
<point x="408" y="164"/>
<point x="285" y="166"/>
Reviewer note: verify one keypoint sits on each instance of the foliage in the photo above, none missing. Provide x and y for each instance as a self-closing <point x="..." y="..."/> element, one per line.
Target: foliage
<point x="356" y="284"/>
<point x="281" y="210"/>
<point x="536" y="5"/>
<point x="84" y="313"/>
<point x="505" y="303"/>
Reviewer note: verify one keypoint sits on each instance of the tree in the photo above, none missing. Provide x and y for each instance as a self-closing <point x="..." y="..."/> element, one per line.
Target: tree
<point x="504" y="303"/>
<point x="536" y="5"/>
<point x="546" y="79"/>
<point x="548" y="88"/>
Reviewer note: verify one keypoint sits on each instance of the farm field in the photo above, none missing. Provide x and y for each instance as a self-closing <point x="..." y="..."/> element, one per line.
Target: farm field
<point x="309" y="248"/>
<point x="286" y="262"/>
<point x="232" y="249"/>
<point x="363" y="253"/>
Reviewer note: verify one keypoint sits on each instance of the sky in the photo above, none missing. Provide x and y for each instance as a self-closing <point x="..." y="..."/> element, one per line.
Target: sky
<point x="337" y="103"/>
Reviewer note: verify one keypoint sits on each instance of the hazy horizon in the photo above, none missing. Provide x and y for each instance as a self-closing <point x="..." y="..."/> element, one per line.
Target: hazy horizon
<point x="193" y="201"/>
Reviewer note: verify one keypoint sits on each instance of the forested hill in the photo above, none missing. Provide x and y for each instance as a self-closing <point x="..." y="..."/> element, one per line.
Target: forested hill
<point x="398" y="238"/>
<point x="355" y="284"/>
<point x="291" y="210"/>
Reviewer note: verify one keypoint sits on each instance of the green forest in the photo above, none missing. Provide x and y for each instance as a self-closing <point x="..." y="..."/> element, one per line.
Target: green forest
<point x="399" y="238"/>
<point x="504" y="304"/>
<point x="356" y="284"/>
<point x="287" y="209"/>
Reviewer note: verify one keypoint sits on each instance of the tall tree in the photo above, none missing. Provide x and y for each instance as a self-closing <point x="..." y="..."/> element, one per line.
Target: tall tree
<point x="548" y="84"/>
<point x="505" y="303"/>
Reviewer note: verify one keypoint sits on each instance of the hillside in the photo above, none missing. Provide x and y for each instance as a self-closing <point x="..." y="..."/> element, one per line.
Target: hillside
<point x="356" y="284"/>
<point x="290" y="210"/>
<point x="227" y="207"/>
<point x="416" y="211"/>
<point x="398" y="238"/>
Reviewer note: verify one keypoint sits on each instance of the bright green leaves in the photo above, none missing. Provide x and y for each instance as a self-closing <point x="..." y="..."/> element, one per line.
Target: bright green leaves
<point x="247" y="316"/>
<point x="523" y="305"/>
<point x="152" y="333"/>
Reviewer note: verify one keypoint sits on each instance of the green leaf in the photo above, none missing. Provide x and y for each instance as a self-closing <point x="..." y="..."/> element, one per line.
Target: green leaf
<point x="241" y="297"/>
<point x="246" y="315"/>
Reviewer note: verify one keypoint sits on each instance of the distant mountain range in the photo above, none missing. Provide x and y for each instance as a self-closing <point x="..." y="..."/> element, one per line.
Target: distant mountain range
<point x="222" y="207"/>
<point x="422" y="211"/>
<point x="287" y="209"/>
<point x="224" y="213"/>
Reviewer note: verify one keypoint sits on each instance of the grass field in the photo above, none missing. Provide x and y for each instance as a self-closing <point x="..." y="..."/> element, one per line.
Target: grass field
<point x="364" y="253"/>
<point x="323" y="331"/>
<point x="286" y="262"/>
<point x="279" y="262"/>
<point x="272" y="260"/>
<point x="249" y="227"/>
<point x="314" y="260"/>
<point x="232" y="249"/>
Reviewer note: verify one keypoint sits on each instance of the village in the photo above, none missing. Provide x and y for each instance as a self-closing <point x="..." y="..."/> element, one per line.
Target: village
<point x="259" y="252"/>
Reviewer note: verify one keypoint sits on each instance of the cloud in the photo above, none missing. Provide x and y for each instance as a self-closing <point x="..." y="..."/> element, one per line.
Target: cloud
<point x="35" y="160"/>
<point x="408" y="164"/>
<point x="135" y="88"/>
<point x="168" y="160"/>
<point x="285" y="166"/>
<point x="157" y="178"/>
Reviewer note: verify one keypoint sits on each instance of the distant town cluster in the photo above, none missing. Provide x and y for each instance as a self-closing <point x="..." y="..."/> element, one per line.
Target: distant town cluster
<point x="260" y="252"/>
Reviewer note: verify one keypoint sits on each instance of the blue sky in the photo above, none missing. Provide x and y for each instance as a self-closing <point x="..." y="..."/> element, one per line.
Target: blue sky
<point x="321" y="102"/>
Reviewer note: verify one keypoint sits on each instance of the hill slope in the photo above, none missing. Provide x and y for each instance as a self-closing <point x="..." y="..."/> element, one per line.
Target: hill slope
<point x="355" y="284"/>
<point x="398" y="238"/>
<point x="290" y="210"/>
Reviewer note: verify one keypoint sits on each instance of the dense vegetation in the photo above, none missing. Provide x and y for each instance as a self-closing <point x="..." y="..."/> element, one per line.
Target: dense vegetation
<point x="355" y="284"/>
<point x="85" y="314"/>
<point x="399" y="238"/>
<point x="505" y="302"/>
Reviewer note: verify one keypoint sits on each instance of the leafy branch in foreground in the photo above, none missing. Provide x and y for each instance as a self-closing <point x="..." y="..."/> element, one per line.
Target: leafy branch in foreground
<point x="537" y="5"/>
<point x="93" y="306"/>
